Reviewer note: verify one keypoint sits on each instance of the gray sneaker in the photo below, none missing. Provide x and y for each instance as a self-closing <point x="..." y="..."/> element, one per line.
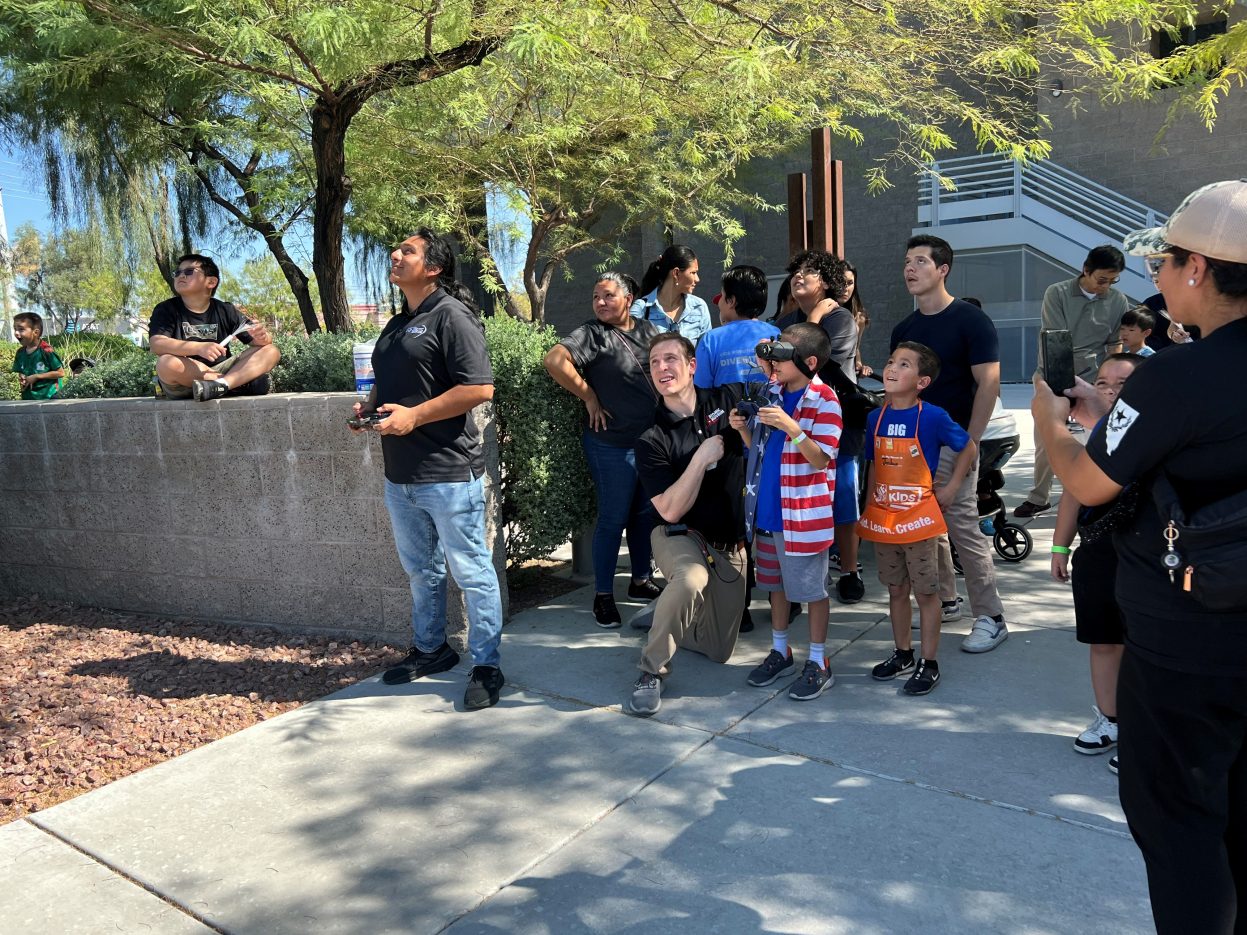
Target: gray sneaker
<point x="814" y="680"/>
<point x="646" y="695"/>
<point x="772" y="667"/>
<point x="985" y="636"/>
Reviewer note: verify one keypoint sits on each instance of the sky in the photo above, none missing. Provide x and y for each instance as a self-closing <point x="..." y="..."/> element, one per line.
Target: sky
<point x="25" y="201"/>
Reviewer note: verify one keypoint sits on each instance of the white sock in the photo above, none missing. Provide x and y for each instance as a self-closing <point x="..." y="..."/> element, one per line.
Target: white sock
<point x="818" y="654"/>
<point x="779" y="641"/>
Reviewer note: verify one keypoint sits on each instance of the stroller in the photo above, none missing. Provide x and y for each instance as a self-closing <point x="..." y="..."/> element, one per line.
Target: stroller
<point x="1011" y="541"/>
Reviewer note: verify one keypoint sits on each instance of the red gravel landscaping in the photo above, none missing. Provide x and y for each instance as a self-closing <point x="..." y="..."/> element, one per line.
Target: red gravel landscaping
<point x="88" y="696"/>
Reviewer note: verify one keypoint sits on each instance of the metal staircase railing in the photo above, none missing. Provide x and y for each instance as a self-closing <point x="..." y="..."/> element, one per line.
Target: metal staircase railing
<point x="990" y="187"/>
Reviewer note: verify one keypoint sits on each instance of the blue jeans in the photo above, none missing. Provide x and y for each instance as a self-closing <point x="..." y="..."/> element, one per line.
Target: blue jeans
<point x="622" y="506"/>
<point x="436" y="525"/>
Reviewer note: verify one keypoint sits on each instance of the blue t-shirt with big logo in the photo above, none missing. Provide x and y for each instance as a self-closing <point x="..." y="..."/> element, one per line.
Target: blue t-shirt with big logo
<point x="936" y="429"/>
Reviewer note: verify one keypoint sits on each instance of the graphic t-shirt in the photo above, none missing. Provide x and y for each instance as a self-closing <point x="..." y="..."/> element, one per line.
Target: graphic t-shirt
<point x="726" y="354"/>
<point x="40" y="360"/>
<point x="936" y="430"/>
<point x="172" y="319"/>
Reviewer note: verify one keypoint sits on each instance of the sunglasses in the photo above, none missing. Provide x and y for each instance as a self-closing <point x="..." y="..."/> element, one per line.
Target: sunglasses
<point x="1155" y="261"/>
<point x="188" y="271"/>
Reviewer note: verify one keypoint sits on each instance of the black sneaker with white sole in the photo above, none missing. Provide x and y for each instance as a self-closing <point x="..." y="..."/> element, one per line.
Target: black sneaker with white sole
<point x="924" y="679"/>
<point x="901" y="660"/>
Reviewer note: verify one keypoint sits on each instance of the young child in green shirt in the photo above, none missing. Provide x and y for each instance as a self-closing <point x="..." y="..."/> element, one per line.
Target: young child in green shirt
<point x="40" y="369"/>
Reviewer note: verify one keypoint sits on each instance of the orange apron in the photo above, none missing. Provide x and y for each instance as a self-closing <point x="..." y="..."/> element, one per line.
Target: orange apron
<point x="902" y="506"/>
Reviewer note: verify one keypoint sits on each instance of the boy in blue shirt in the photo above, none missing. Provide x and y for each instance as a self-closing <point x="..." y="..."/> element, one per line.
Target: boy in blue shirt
<point x="726" y="354"/>
<point x="904" y="515"/>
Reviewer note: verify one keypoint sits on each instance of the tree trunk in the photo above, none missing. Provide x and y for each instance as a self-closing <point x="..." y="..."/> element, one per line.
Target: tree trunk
<point x="297" y="280"/>
<point x="330" y="121"/>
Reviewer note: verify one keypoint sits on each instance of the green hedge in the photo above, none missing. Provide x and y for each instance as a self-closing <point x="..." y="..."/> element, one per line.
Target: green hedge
<point x="132" y="375"/>
<point x="9" y="387"/>
<point x="99" y="347"/>
<point x="547" y="496"/>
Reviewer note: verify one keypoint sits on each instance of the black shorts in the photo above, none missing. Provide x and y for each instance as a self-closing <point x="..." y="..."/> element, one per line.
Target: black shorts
<point x="1097" y="617"/>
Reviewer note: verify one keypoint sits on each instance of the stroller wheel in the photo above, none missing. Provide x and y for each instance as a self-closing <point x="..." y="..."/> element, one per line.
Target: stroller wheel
<point x="1012" y="542"/>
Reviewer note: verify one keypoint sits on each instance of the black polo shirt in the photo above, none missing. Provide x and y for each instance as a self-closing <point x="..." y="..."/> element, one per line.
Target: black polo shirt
<point x="663" y="453"/>
<point x="419" y="356"/>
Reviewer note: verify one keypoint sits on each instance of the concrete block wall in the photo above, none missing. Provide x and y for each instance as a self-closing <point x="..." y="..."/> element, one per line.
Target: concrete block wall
<point x="264" y="510"/>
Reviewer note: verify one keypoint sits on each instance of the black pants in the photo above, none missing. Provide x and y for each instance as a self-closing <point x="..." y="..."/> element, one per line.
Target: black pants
<point x="1183" y="780"/>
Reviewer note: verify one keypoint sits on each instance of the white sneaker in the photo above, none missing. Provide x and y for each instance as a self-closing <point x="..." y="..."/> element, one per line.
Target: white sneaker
<point x="947" y="612"/>
<point x="985" y="636"/>
<point x="1099" y="737"/>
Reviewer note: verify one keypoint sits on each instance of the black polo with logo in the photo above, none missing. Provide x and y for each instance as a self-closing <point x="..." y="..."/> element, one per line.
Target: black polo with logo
<point x="663" y="454"/>
<point x="420" y="355"/>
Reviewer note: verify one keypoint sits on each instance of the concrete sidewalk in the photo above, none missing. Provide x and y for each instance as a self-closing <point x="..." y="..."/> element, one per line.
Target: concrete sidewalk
<point x="390" y="810"/>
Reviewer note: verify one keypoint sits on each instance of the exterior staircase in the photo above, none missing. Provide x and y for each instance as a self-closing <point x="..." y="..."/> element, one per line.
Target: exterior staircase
<point x="996" y="202"/>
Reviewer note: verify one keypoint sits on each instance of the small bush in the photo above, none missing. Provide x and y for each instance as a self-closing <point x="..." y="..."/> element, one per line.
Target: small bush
<point x="9" y="387"/>
<point x="132" y="375"/>
<point x="315" y="363"/>
<point x="547" y="496"/>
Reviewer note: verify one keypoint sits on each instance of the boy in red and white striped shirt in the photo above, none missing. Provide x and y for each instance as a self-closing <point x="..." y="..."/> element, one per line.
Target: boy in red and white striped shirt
<point x="791" y="480"/>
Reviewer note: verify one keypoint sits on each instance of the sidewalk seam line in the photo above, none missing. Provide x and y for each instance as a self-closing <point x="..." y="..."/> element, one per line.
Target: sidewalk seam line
<point x="168" y="900"/>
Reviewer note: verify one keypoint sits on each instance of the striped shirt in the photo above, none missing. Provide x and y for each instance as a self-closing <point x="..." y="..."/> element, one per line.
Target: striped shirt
<point x="806" y="492"/>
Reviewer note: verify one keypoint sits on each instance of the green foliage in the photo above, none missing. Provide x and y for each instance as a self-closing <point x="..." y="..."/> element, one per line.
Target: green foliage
<point x="547" y="496"/>
<point x="9" y="387"/>
<point x="131" y="375"/>
<point x="99" y="347"/>
<point x="315" y="363"/>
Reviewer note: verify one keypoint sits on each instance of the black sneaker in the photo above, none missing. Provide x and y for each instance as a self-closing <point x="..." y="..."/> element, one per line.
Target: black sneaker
<point x="417" y="664"/>
<point x="1112" y="764"/>
<point x="203" y="390"/>
<point x="901" y="660"/>
<point x="1027" y="509"/>
<point x="646" y="590"/>
<point x="771" y="668"/>
<point x="850" y="588"/>
<point x="483" y="688"/>
<point x="605" y="612"/>
<point x="925" y="678"/>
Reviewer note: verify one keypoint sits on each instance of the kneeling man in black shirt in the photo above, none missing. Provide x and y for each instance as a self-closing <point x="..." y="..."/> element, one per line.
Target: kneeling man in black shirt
<point x="692" y="467"/>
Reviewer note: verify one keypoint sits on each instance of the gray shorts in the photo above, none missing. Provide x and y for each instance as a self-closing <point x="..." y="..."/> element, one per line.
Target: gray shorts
<point x="802" y="578"/>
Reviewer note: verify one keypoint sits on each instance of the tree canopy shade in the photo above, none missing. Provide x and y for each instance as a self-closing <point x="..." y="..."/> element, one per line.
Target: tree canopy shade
<point x="595" y="115"/>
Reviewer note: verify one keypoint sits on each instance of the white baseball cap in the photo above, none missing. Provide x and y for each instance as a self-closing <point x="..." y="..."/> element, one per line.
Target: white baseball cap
<point x="1211" y="221"/>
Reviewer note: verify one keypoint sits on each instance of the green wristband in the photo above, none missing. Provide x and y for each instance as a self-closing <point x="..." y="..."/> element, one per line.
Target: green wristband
<point x="1060" y="550"/>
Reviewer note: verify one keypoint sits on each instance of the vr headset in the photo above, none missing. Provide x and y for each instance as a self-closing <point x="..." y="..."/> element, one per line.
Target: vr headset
<point x="778" y="351"/>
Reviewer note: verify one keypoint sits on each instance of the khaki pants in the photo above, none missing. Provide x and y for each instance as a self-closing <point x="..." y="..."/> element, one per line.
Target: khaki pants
<point x="1042" y="490"/>
<point x="701" y="607"/>
<point x="974" y="548"/>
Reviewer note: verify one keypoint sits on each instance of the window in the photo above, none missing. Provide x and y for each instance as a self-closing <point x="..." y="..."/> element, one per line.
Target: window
<point x="1165" y="44"/>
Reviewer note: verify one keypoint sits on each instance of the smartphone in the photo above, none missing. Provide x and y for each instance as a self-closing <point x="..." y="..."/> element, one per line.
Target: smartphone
<point x="1056" y="360"/>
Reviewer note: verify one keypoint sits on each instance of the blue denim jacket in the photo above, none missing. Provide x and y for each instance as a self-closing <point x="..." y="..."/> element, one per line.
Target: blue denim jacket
<point x="692" y="324"/>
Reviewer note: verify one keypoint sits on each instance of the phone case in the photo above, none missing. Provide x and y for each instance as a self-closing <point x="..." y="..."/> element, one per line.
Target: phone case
<point x="1056" y="349"/>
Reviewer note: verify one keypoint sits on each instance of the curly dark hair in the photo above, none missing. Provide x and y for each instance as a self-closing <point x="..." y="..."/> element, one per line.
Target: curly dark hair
<point x="830" y="269"/>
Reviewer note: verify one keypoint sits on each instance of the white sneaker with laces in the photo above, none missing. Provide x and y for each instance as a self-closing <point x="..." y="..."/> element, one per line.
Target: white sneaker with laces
<point x="1099" y="737"/>
<point x="985" y="635"/>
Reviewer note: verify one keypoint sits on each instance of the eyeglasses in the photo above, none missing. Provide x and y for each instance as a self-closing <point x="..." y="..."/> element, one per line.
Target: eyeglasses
<point x="187" y="271"/>
<point x="1155" y="261"/>
<point x="1101" y="281"/>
